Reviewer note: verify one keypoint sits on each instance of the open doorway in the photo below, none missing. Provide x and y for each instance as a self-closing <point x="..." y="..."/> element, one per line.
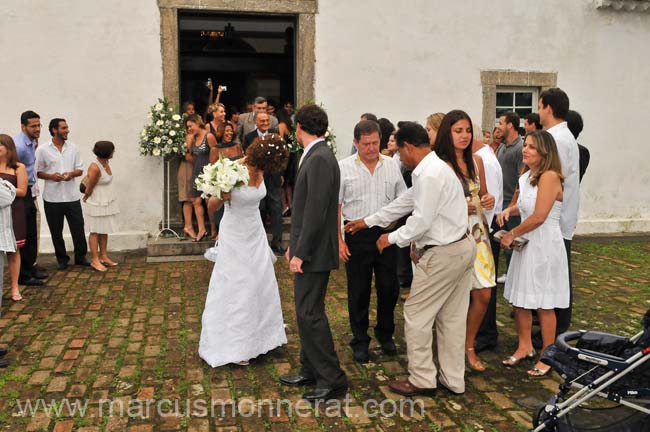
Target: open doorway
<point x="251" y="54"/>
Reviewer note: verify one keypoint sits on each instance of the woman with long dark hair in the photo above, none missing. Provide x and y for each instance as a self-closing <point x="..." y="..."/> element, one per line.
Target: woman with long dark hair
<point x="453" y="144"/>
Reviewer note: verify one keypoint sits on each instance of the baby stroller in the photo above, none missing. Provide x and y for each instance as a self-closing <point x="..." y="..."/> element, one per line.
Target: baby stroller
<point x="600" y="365"/>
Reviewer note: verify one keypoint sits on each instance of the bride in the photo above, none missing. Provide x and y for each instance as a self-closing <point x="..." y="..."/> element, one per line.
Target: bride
<point x="243" y="316"/>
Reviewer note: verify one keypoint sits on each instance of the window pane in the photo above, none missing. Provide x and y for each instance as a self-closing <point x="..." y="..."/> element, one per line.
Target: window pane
<point x="523" y="111"/>
<point x="524" y="99"/>
<point x="504" y="99"/>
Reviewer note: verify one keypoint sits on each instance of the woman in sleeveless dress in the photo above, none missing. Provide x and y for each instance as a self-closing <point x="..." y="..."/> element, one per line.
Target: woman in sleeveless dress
<point x="16" y="174"/>
<point x="199" y="142"/>
<point x="243" y="315"/>
<point x="101" y="205"/>
<point x="456" y="150"/>
<point x="538" y="275"/>
<point x="226" y="148"/>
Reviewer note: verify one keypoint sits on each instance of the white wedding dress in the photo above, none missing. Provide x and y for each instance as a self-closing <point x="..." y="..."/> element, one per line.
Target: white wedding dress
<point x="243" y="316"/>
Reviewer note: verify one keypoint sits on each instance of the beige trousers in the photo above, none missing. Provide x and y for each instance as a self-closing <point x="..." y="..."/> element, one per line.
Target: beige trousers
<point x="439" y="295"/>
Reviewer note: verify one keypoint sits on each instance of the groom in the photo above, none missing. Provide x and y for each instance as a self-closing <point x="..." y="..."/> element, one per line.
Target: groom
<point x="314" y="252"/>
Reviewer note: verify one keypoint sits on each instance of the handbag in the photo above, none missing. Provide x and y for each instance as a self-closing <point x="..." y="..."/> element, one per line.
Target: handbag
<point x="84" y="184"/>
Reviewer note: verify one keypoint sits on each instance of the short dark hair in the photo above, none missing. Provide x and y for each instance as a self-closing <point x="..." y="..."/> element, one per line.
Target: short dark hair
<point x="574" y="122"/>
<point x="103" y="149"/>
<point x="512" y="118"/>
<point x="369" y="116"/>
<point x="444" y="145"/>
<point x="26" y="116"/>
<point x="269" y="153"/>
<point x="533" y="118"/>
<point x="557" y="99"/>
<point x="54" y="124"/>
<point x="386" y="128"/>
<point x="186" y="105"/>
<point x="312" y="119"/>
<point x="413" y="133"/>
<point x="366" y="127"/>
<point x="259" y="100"/>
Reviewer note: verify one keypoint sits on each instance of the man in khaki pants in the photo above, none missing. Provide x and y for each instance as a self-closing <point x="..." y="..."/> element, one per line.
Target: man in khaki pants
<point x="444" y="256"/>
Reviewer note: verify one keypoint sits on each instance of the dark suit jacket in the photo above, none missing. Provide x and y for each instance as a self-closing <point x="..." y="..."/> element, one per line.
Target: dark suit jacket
<point x="250" y="137"/>
<point x="246" y="124"/>
<point x="314" y="221"/>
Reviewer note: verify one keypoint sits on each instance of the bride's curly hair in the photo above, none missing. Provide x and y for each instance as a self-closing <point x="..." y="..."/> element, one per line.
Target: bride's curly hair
<point x="269" y="153"/>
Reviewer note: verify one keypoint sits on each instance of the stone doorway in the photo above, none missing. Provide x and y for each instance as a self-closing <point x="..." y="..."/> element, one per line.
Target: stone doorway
<point x="173" y="17"/>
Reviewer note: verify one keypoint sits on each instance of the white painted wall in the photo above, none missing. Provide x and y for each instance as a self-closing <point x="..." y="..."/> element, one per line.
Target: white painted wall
<point x="407" y="60"/>
<point x="98" y="65"/>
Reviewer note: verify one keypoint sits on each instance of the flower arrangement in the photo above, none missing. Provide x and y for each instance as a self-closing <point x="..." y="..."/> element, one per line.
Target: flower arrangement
<point x="295" y="147"/>
<point x="165" y="134"/>
<point x="221" y="176"/>
<point x="330" y="138"/>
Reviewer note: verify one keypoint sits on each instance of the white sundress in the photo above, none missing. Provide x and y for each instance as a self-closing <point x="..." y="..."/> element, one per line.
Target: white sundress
<point x="538" y="276"/>
<point x="101" y="206"/>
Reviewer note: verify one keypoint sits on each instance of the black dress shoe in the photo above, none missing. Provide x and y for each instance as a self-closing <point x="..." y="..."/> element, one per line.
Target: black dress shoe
<point x="3" y="363"/>
<point x="30" y="281"/>
<point x="388" y="347"/>
<point x="325" y="393"/>
<point x="38" y="268"/>
<point x="3" y="352"/>
<point x="84" y="262"/>
<point x="296" y="380"/>
<point x="39" y="274"/>
<point x="484" y="345"/>
<point x="361" y="355"/>
<point x="62" y="265"/>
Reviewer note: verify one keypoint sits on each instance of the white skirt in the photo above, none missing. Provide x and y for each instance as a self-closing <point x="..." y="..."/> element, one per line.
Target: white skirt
<point x="102" y="224"/>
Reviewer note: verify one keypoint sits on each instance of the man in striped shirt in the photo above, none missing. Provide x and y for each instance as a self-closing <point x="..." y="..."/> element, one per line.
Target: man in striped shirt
<point x="369" y="181"/>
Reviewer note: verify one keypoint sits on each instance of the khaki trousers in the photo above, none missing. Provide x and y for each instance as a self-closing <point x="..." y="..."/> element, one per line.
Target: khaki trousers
<point x="439" y="295"/>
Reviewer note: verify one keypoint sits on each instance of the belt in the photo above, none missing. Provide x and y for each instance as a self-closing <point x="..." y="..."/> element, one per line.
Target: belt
<point x="427" y="247"/>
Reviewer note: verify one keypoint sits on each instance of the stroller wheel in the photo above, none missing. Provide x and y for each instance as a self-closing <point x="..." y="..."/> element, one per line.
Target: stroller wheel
<point x="540" y="417"/>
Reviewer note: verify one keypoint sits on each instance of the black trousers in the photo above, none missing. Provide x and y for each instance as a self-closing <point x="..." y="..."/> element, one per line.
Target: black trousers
<point x="317" y="355"/>
<point x="404" y="268"/>
<point x="488" y="333"/>
<point x="71" y="211"/>
<point x="272" y="203"/>
<point x="364" y="261"/>
<point x="29" y="252"/>
<point x="563" y="316"/>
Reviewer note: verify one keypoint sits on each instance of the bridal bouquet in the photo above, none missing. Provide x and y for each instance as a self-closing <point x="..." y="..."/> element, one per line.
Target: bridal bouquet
<point x="221" y="176"/>
<point x="165" y="134"/>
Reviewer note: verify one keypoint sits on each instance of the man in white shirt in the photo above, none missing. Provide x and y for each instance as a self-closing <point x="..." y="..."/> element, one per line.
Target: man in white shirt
<point x="369" y="181"/>
<point x="442" y="281"/>
<point x="553" y="108"/>
<point x="59" y="163"/>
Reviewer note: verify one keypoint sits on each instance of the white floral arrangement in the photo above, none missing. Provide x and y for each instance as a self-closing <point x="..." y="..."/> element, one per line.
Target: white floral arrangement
<point x="295" y="147"/>
<point x="222" y="176"/>
<point x="165" y="134"/>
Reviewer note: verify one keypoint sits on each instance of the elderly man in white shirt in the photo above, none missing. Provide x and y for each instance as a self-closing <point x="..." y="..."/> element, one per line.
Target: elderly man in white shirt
<point x="553" y="108"/>
<point x="369" y="181"/>
<point x="445" y="256"/>
<point x="59" y="163"/>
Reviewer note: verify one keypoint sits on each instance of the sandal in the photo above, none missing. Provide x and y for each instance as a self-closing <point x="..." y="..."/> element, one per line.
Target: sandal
<point x="108" y="262"/>
<point x="514" y="361"/>
<point x="200" y="236"/>
<point x="478" y="365"/>
<point x="100" y="268"/>
<point x="538" y="373"/>
<point x="16" y="297"/>
<point x="190" y="233"/>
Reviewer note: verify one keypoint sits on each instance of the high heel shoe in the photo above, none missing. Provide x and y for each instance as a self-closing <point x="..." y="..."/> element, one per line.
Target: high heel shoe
<point x="190" y="233"/>
<point x="200" y="236"/>
<point x="478" y="365"/>
<point x="514" y="361"/>
<point x="538" y="373"/>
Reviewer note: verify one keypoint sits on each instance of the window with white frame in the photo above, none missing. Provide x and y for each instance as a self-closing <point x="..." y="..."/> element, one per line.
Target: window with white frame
<point x="522" y="100"/>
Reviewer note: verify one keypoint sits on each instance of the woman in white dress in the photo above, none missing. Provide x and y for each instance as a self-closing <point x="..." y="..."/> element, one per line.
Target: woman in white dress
<point x="243" y="315"/>
<point x="538" y="275"/>
<point x="101" y="205"/>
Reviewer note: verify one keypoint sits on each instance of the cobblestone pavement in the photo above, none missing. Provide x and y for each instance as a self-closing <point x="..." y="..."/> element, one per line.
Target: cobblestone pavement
<point x="130" y="336"/>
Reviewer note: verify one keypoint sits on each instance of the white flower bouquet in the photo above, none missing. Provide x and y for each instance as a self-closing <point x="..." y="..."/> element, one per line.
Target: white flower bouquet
<point x="165" y="134"/>
<point x="222" y="176"/>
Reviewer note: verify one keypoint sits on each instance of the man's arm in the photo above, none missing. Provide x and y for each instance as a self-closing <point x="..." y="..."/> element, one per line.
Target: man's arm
<point x="400" y="206"/>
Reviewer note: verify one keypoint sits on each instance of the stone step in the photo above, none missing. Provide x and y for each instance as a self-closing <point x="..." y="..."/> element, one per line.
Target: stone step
<point x="172" y="246"/>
